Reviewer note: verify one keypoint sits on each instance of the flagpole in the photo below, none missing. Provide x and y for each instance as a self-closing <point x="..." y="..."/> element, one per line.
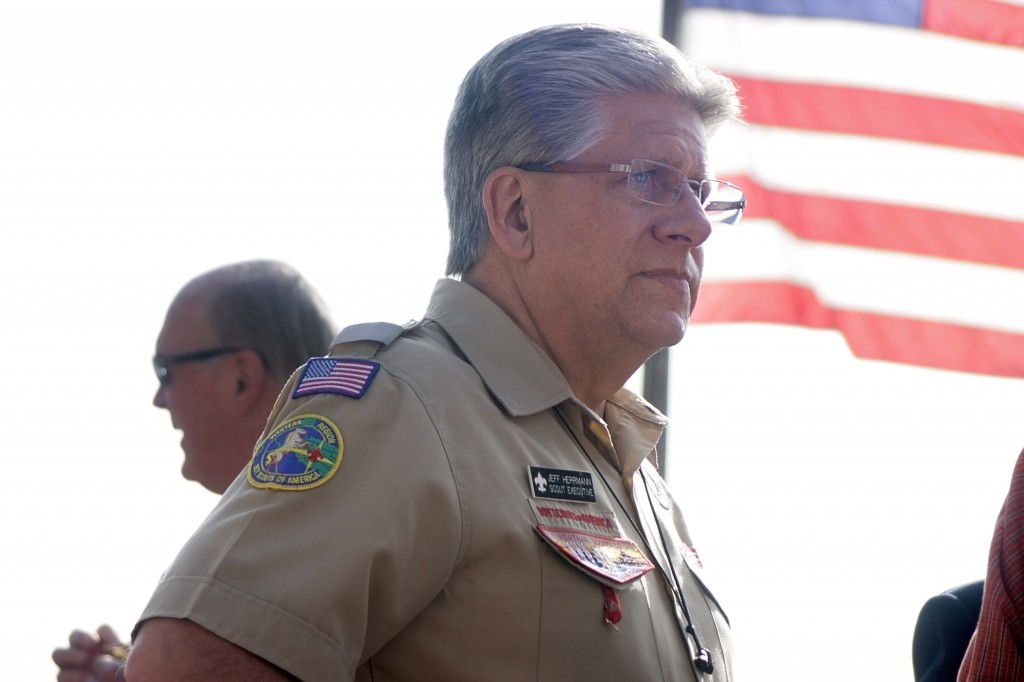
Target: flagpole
<point x="655" y="386"/>
<point x="671" y="20"/>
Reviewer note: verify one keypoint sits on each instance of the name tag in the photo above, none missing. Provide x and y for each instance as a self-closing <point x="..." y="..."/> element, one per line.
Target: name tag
<point x="562" y="484"/>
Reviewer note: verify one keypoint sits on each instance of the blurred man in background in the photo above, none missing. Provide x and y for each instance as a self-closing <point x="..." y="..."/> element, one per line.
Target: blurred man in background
<point x="229" y="342"/>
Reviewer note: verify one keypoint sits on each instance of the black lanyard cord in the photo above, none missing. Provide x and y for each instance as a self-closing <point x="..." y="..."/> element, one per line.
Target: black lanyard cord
<point x="703" y="661"/>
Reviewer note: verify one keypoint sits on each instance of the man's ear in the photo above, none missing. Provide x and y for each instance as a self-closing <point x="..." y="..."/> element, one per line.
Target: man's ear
<point x="507" y="214"/>
<point x="251" y="378"/>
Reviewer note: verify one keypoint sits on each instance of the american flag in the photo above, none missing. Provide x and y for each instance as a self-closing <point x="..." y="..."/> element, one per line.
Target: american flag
<point x="882" y="152"/>
<point x="344" y="376"/>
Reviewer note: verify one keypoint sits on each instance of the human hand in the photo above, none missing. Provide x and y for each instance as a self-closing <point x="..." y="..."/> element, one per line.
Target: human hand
<point x="91" y="657"/>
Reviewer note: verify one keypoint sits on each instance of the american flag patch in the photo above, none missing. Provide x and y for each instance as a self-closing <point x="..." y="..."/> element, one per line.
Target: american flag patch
<point x="344" y="376"/>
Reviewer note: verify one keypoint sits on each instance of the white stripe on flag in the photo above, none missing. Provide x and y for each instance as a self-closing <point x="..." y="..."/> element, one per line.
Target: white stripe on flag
<point x="873" y="169"/>
<point x="877" y="56"/>
<point x="870" y="280"/>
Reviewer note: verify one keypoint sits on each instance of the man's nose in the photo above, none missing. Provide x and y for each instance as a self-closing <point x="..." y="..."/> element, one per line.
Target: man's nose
<point x="159" y="400"/>
<point x="684" y="221"/>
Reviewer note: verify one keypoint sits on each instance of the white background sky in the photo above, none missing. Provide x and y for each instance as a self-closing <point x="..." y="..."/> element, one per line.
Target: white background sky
<point x="144" y="142"/>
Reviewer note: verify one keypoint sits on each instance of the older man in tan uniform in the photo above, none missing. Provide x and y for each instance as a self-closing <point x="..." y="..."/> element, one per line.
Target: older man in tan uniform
<point x="471" y="497"/>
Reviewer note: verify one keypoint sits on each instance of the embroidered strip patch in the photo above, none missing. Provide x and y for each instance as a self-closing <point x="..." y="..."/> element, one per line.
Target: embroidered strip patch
<point x="562" y="484"/>
<point x="299" y="454"/>
<point x="344" y="376"/>
<point x="574" y="517"/>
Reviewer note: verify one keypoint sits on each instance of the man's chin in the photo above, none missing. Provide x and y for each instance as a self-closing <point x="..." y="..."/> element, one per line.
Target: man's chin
<point x="187" y="470"/>
<point x="670" y="329"/>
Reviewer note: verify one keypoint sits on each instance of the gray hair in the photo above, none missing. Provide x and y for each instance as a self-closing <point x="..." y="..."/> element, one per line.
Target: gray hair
<point x="532" y="99"/>
<point x="267" y="306"/>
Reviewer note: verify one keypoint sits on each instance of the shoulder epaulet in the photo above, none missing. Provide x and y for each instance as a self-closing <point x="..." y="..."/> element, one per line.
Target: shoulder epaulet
<point x="372" y="336"/>
<point x="382" y="333"/>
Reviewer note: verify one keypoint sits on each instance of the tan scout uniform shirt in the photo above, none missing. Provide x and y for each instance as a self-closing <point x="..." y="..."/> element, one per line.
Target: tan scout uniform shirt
<point x="418" y="558"/>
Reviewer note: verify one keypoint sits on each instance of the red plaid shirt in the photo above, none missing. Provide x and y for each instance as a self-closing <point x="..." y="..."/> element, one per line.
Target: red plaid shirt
<point x="996" y="651"/>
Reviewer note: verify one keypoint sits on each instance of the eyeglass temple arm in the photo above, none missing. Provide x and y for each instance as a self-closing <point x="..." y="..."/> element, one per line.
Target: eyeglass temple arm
<point x="725" y="205"/>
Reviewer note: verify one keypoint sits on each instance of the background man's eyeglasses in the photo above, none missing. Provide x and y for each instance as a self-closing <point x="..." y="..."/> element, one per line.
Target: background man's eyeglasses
<point x="162" y="365"/>
<point x="661" y="184"/>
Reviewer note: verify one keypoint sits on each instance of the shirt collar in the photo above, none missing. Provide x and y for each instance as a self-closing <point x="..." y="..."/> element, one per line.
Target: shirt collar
<point x="519" y="372"/>
<point x="523" y="377"/>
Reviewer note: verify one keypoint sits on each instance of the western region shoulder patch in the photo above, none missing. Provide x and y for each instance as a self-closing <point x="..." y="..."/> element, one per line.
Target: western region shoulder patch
<point x="300" y="454"/>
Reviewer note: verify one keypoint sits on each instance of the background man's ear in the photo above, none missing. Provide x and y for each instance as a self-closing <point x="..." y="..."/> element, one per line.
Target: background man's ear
<point x="251" y="378"/>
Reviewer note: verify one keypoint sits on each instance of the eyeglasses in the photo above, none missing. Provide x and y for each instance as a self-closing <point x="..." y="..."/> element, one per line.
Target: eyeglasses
<point x="658" y="183"/>
<point x="162" y="365"/>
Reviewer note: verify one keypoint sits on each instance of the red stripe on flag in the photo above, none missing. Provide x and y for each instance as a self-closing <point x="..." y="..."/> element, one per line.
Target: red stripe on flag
<point x="761" y="301"/>
<point x="860" y="111"/>
<point x="869" y="335"/>
<point x="985" y="20"/>
<point x="907" y="229"/>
